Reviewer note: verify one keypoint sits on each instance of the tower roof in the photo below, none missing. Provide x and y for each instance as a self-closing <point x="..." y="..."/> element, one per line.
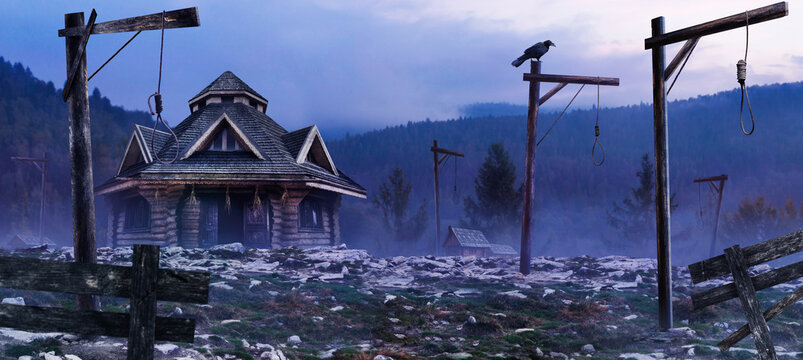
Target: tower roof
<point x="227" y="84"/>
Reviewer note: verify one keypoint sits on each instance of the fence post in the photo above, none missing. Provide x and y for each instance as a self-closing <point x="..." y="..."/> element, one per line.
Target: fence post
<point x="142" y="326"/>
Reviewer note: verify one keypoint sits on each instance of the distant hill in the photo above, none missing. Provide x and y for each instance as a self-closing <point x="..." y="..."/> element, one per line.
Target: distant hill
<point x="33" y="119"/>
<point x="572" y="194"/>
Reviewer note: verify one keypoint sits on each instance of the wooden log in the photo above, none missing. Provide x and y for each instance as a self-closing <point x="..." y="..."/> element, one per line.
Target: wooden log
<point x="750" y="304"/>
<point x="39" y="318"/>
<point x="682" y="53"/>
<point x="755" y="16"/>
<point x="529" y="168"/>
<point x="98" y="279"/>
<point x="142" y="324"/>
<point x="769" y="314"/>
<point x="72" y="69"/>
<point x="661" y="140"/>
<point x="754" y="255"/>
<point x="762" y="281"/>
<point x="572" y="79"/>
<point x="549" y="94"/>
<point x="173" y="19"/>
<point x="82" y="188"/>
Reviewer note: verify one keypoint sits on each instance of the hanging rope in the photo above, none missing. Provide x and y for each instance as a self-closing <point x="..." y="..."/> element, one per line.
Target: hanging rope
<point x="596" y="136"/>
<point x="157" y="99"/>
<point x="700" y="219"/>
<point x="227" y="205"/>
<point x="257" y="203"/>
<point x="285" y="196"/>
<point x="455" y="196"/>
<point x="193" y="200"/>
<point x="741" y="76"/>
<point x="561" y="115"/>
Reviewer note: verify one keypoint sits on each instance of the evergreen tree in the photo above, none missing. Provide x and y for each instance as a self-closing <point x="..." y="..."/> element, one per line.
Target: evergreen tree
<point x="635" y="218"/>
<point x="394" y="201"/>
<point x="497" y="207"/>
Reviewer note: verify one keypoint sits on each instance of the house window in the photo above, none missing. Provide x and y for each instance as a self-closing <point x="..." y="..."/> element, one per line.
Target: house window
<point x="227" y="99"/>
<point x="310" y="215"/>
<point x="137" y="214"/>
<point x="225" y="141"/>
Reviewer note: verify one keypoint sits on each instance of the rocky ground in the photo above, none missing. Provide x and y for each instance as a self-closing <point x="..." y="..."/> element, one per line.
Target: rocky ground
<point x="345" y="304"/>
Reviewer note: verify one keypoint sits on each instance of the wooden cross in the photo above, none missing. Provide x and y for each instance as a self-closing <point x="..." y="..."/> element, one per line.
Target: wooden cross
<point x="535" y="77"/>
<point x="76" y="34"/>
<point x="719" y="189"/>
<point x="660" y="74"/>
<point x="43" y="169"/>
<point x="436" y="164"/>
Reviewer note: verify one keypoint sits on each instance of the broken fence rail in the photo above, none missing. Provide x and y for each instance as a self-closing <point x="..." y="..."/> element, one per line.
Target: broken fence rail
<point x="144" y="283"/>
<point x="736" y="262"/>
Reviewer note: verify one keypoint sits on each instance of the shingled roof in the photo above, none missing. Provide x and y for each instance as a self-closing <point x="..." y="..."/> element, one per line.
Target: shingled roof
<point x="469" y="237"/>
<point x="229" y="82"/>
<point x="277" y="147"/>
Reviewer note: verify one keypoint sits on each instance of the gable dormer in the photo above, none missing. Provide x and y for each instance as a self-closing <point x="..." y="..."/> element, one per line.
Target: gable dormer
<point x="308" y="147"/>
<point x="223" y="135"/>
<point x="228" y="88"/>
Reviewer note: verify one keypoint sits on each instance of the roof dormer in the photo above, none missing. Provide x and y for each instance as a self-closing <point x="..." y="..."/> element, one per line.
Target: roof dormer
<point x="228" y="88"/>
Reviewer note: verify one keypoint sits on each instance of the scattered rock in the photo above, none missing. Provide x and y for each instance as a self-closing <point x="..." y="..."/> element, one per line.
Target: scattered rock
<point x="588" y="348"/>
<point x="382" y="357"/>
<point x="336" y="308"/>
<point x="472" y="320"/>
<point x="631" y="317"/>
<point x="14" y="301"/>
<point x="294" y="339"/>
<point x="166" y="348"/>
<point x="232" y="250"/>
<point x="177" y="311"/>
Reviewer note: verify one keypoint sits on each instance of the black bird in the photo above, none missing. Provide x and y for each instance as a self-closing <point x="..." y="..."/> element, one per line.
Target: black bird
<point x="534" y="52"/>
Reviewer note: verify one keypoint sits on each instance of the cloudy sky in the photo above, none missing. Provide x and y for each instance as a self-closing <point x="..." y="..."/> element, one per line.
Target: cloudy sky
<point x="364" y="64"/>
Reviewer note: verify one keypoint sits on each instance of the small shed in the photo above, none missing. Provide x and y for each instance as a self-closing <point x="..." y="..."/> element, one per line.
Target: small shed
<point x="465" y="242"/>
<point x="22" y="241"/>
<point x="502" y="250"/>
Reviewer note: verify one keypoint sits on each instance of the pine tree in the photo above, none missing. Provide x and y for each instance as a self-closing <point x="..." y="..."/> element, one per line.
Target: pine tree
<point x="497" y="207"/>
<point x="394" y="201"/>
<point x="635" y="218"/>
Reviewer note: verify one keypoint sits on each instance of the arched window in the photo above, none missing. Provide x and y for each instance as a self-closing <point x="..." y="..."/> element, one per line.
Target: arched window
<point x="137" y="214"/>
<point x="310" y="215"/>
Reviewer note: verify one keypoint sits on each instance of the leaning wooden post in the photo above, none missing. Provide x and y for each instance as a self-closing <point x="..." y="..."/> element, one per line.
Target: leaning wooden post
<point x="42" y="200"/>
<point x="437" y="200"/>
<point x="142" y="326"/>
<point x="529" y="169"/>
<point x="83" y="206"/>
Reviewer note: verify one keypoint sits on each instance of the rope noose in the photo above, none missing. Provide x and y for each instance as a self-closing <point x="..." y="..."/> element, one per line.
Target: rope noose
<point x="596" y="136"/>
<point x="741" y="76"/>
<point x="157" y="99"/>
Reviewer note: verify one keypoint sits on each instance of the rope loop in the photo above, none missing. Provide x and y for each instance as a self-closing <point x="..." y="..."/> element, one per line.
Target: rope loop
<point x="741" y="77"/>
<point x="596" y="136"/>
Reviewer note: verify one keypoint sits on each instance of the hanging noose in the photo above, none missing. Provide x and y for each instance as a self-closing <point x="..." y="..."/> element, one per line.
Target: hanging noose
<point x="596" y="136"/>
<point x="227" y="204"/>
<point x="741" y="76"/>
<point x="157" y="99"/>
<point x="455" y="196"/>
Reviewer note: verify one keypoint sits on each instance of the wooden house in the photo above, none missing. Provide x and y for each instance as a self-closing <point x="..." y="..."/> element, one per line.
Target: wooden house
<point x="239" y="177"/>
<point x="465" y="242"/>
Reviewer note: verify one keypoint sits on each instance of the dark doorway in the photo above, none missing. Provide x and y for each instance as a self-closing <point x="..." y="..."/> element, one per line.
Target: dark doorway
<point x="235" y="221"/>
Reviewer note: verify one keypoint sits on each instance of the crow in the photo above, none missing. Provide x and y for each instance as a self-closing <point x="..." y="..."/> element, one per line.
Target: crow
<point x="535" y="51"/>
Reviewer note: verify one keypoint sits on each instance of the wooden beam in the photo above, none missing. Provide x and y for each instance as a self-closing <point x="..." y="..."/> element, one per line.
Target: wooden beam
<point x="750" y="304"/>
<point x="754" y="255"/>
<point x="754" y="16"/>
<point x="551" y="93"/>
<point x="769" y="314"/>
<point x="682" y="53"/>
<point x="173" y="19"/>
<point x="444" y="151"/>
<point x="713" y="178"/>
<point x="98" y="279"/>
<point x="572" y="79"/>
<point x="761" y="281"/>
<point x="39" y="318"/>
<point x="22" y="158"/>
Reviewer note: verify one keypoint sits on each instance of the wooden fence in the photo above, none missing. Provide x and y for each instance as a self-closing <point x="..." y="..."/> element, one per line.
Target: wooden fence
<point x="144" y="283"/>
<point x="736" y="261"/>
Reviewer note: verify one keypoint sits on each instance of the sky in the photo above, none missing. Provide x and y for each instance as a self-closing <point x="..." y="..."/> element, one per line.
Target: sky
<point x="357" y="65"/>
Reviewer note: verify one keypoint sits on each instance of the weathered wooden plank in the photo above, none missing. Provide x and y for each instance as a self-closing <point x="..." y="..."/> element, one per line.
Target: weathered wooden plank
<point x="769" y="314"/>
<point x="529" y="168"/>
<point x="760" y="282"/>
<point x="572" y="79"/>
<point x="39" y="318"/>
<point x="754" y="255"/>
<point x="750" y="304"/>
<point x="682" y="53"/>
<point x="78" y="58"/>
<point x="98" y="279"/>
<point x="173" y="19"/>
<point x="549" y="94"/>
<point x="142" y="324"/>
<point x="755" y="16"/>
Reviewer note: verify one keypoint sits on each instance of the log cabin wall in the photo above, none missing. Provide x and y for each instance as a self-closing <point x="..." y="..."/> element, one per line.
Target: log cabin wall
<point x="190" y="218"/>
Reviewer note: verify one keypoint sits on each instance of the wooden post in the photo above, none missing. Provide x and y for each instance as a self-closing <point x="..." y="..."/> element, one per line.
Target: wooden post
<point x="529" y="169"/>
<point x="661" y="132"/>
<point x="83" y="205"/>
<point x="752" y="309"/>
<point x="142" y="327"/>
<point x="42" y="200"/>
<point x="437" y="200"/>
<point x="720" y="190"/>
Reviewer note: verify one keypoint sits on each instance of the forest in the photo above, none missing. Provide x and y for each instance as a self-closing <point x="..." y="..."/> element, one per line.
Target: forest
<point x="574" y="198"/>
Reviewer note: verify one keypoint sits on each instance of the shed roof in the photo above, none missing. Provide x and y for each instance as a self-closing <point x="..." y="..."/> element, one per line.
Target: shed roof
<point x="469" y="237"/>
<point x="502" y="249"/>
